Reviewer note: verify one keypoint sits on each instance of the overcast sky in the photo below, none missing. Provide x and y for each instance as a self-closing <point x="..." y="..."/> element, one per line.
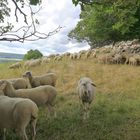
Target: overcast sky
<point x="52" y="14"/>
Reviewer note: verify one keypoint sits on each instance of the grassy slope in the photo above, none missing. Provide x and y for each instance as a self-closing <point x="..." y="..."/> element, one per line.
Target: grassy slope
<point x="115" y="113"/>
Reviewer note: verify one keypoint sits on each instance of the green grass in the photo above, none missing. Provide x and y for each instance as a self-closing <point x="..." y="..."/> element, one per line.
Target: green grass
<point x="115" y="112"/>
<point x="113" y="117"/>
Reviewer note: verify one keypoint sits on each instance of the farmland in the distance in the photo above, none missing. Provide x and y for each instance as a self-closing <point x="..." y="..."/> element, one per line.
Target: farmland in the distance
<point x="8" y="57"/>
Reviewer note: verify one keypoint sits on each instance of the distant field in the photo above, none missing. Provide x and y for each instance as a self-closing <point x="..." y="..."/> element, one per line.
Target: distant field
<point x="115" y="112"/>
<point x="9" y="57"/>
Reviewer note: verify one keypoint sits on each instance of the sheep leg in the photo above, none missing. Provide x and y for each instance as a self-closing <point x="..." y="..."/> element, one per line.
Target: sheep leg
<point x="51" y="110"/>
<point x="85" y="111"/>
<point x="1" y="133"/>
<point x="22" y="134"/>
<point x="87" y="115"/>
<point x="81" y="102"/>
<point x="88" y="110"/>
<point x="33" y="128"/>
<point x="4" y="134"/>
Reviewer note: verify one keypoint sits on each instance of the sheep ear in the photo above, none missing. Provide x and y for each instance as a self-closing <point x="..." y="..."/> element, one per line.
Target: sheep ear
<point x="93" y="84"/>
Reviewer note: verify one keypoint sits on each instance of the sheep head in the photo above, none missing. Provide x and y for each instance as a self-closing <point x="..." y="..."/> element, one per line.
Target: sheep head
<point x="27" y="74"/>
<point x="83" y="90"/>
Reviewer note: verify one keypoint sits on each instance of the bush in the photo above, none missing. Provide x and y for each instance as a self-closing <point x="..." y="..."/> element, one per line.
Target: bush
<point x="32" y="54"/>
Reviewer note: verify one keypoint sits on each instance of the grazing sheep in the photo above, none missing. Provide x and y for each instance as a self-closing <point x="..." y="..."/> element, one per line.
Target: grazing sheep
<point x="126" y="57"/>
<point x="45" y="60"/>
<point x="47" y="79"/>
<point x="67" y="54"/>
<point x="79" y="55"/>
<point x="88" y="53"/>
<point x="32" y="63"/>
<point x="27" y="63"/>
<point x="58" y="58"/>
<point x="94" y="54"/>
<point x="117" y="59"/>
<point x="17" y="113"/>
<point x="132" y="61"/>
<point x="42" y="95"/>
<point x="137" y="58"/>
<point x="105" y="59"/>
<point x="20" y="83"/>
<point x="85" y="90"/>
<point x="16" y="65"/>
<point x="73" y="56"/>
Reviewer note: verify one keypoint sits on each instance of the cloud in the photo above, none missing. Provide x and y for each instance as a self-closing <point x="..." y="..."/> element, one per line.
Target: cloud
<point x="52" y="15"/>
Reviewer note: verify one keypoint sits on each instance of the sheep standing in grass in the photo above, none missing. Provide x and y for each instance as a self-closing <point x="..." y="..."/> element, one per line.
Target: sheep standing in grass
<point x="32" y="63"/>
<point x="105" y="58"/>
<point x="47" y="79"/>
<point x="86" y="91"/>
<point x="132" y="61"/>
<point x="20" y="83"/>
<point x="117" y="59"/>
<point x="17" y="113"/>
<point x="45" y="60"/>
<point x="42" y="95"/>
<point x="16" y="65"/>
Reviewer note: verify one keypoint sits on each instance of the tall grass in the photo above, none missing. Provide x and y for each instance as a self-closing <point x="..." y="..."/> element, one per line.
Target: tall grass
<point x="115" y="112"/>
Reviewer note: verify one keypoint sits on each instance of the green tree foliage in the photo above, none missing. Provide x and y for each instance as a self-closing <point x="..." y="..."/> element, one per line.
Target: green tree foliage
<point x="35" y="2"/>
<point x="108" y="21"/>
<point x="32" y="54"/>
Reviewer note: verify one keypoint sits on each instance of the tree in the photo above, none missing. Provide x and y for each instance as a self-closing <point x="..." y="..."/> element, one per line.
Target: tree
<point x="108" y="21"/>
<point x="85" y="2"/>
<point x="24" y="33"/>
<point x="33" y="54"/>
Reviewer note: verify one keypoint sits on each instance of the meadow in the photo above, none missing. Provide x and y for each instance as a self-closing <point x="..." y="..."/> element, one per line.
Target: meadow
<point x="115" y="112"/>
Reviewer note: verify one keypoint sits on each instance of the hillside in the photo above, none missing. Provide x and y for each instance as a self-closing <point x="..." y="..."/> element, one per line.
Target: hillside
<point x="115" y="113"/>
<point x="4" y="57"/>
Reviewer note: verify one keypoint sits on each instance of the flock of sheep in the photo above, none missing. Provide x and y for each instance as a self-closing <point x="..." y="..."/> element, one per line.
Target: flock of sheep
<point x="121" y="53"/>
<point x="21" y="97"/>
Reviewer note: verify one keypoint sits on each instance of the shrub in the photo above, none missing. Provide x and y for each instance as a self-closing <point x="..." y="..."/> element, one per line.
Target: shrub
<point x="32" y="54"/>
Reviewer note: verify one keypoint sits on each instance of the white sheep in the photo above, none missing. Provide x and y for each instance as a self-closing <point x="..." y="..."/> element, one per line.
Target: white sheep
<point x="73" y="56"/>
<point x="45" y="60"/>
<point x="132" y="61"/>
<point x="117" y="59"/>
<point x="86" y="91"/>
<point x="17" y="113"/>
<point x="42" y="95"/>
<point x="88" y="53"/>
<point x="15" y="65"/>
<point x="46" y="79"/>
<point x="32" y="63"/>
<point x="20" y="83"/>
